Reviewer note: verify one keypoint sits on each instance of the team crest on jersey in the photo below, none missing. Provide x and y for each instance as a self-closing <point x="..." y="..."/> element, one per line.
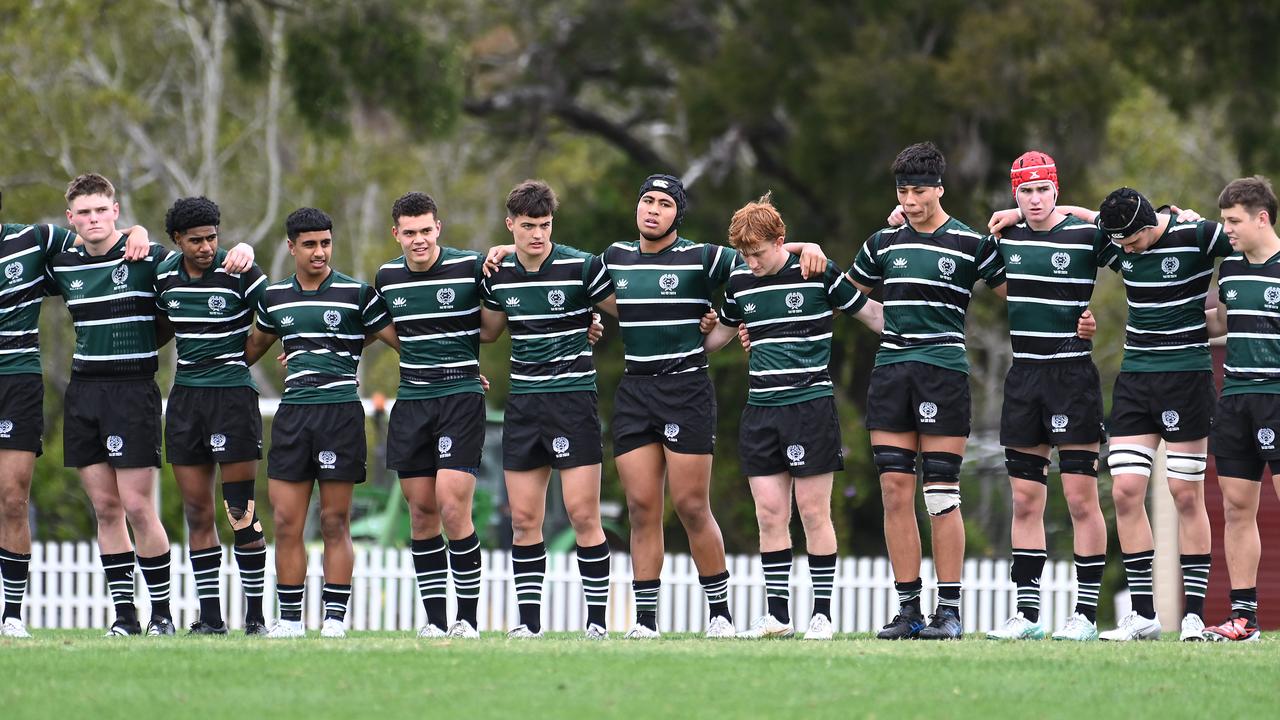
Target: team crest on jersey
<point x="444" y="445"/>
<point x="794" y="300"/>
<point x="1266" y="438"/>
<point x="120" y="275"/>
<point x="671" y="431"/>
<point x="621" y="284"/>
<point x="115" y="445"/>
<point x="328" y="459"/>
<point x="556" y="298"/>
<point x="1271" y="295"/>
<point x="399" y="302"/>
<point x="561" y="446"/>
<point x="13" y="271"/>
<point x="668" y="283"/>
<point x="218" y="442"/>
<point x="174" y="304"/>
<point x="795" y="453"/>
<point x="899" y="263"/>
<point x="1060" y="261"/>
<point x="286" y="321"/>
<point x="748" y="308"/>
<point x="1015" y="259"/>
<point x="928" y="411"/>
<point x="947" y="267"/>
<point x="1170" y="265"/>
<point x="217" y="303"/>
<point x="1059" y="423"/>
<point x="1126" y="266"/>
<point x="332" y="318"/>
<point x="1232" y="294"/>
<point x="77" y="285"/>
<point x="1170" y="419"/>
<point x="6" y="427"/>
<point x="445" y="296"/>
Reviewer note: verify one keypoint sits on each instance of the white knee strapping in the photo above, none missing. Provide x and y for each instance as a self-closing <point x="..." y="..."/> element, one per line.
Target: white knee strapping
<point x="1131" y="460"/>
<point x="941" y="499"/>
<point x="1186" y="466"/>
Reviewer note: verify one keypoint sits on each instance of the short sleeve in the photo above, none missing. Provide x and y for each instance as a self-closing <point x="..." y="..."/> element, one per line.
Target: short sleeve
<point x="1213" y="242"/>
<point x="1105" y="251"/>
<point x="990" y="263"/>
<point x="719" y="262"/>
<point x="730" y="312"/>
<point x="598" y="283"/>
<point x="486" y="294"/>
<point x="866" y="268"/>
<point x="841" y="291"/>
<point x="265" y="322"/>
<point x="54" y="239"/>
<point x="374" y="315"/>
<point x="253" y="284"/>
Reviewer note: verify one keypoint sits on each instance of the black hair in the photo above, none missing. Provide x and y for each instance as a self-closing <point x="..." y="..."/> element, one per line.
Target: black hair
<point x="920" y="159"/>
<point x="306" y="220"/>
<point x="532" y="198"/>
<point x="191" y="212"/>
<point x="414" y="204"/>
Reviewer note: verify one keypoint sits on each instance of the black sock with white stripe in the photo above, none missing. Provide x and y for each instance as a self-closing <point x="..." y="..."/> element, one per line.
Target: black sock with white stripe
<point x="119" y="571"/>
<point x="14" y="567"/>
<point x="646" y="594"/>
<point x="1244" y="602"/>
<point x="290" y="599"/>
<point x="949" y="596"/>
<point x="529" y="567"/>
<point x="593" y="565"/>
<point x="155" y="572"/>
<point x="822" y="573"/>
<point x="777" y="583"/>
<point x="335" y="598"/>
<point x="206" y="565"/>
<point x="1195" y="582"/>
<point x="1089" y="584"/>
<point x="909" y="594"/>
<point x="1025" y="572"/>
<point x="431" y="564"/>
<point x="716" y="588"/>
<point x="1137" y="571"/>
<point x="252" y="563"/>
<point x="464" y="564"/>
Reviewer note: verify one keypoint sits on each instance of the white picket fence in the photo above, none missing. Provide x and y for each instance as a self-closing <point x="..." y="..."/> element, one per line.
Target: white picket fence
<point x="68" y="590"/>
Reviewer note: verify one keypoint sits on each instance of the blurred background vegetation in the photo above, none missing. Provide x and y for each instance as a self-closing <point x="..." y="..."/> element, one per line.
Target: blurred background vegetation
<point x="267" y="105"/>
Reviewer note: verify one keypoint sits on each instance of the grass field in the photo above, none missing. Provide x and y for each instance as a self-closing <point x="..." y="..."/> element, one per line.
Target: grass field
<point x="72" y="674"/>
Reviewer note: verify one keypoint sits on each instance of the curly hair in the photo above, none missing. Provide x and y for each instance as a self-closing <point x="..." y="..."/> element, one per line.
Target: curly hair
<point x="191" y="212"/>
<point x="414" y="204"/>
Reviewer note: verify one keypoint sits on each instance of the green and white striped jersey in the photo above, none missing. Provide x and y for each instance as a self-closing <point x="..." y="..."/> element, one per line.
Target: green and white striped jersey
<point x="1050" y="274"/>
<point x="113" y="308"/>
<point x="928" y="279"/>
<point x="437" y="317"/>
<point x="211" y="317"/>
<point x="323" y="333"/>
<point x="25" y="251"/>
<point x="1251" y="294"/>
<point x="548" y="315"/>
<point x="661" y="300"/>
<point x="790" y="321"/>
<point x="1166" y="286"/>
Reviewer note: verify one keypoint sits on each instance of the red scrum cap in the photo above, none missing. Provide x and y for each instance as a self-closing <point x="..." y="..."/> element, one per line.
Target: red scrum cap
<point x="1033" y="166"/>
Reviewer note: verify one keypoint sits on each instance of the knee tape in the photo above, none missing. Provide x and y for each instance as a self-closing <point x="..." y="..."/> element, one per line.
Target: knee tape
<point x="1186" y="466"/>
<point x="1026" y="466"/>
<point x="890" y="459"/>
<point x="237" y="498"/>
<point x="941" y="499"/>
<point x="1130" y="460"/>
<point x="1078" y="462"/>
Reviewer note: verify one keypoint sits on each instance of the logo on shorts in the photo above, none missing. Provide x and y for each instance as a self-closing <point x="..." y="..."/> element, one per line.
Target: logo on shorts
<point x="1170" y="419"/>
<point x="795" y="453"/>
<point x="1271" y="295"/>
<point x="217" y="303"/>
<point x="444" y="296"/>
<point x="1060" y="261"/>
<point x="444" y="446"/>
<point x="668" y="283"/>
<point x="947" y="267"/>
<point x="671" y="430"/>
<point x="399" y="302"/>
<point x="621" y="283"/>
<point x="1127" y="266"/>
<point x="115" y="444"/>
<point x="556" y="298"/>
<point x="1170" y="265"/>
<point x="6" y="427"/>
<point x="174" y="304"/>
<point x="332" y="318"/>
<point x="1015" y="259"/>
<point x="1266" y="438"/>
<point x="899" y="263"/>
<point x="561" y="446"/>
<point x="928" y="411"/>
<point x="794" y="300"/>
<point x="77" y="285"/>
<point x="1059" y="423"/>
<point x="286" y="321"/>
<point x="327" y="459"/>
<point x="13" y="271"/>
<point x="120" y="275"/>
<point x="748" y="308"/>
<point x="218" y="442"/>
<point x="1232" y="294"/>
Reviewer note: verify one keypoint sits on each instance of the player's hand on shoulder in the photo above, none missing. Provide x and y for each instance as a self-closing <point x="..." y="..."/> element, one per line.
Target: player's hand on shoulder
<point x="493" y="259"/>
<point x="1002" y="219"/>
<point x="239" y="259"/>
<point x="813" y="262"/>
<point x="1185" y="216"/>
<point x="897" y="218"/>
<point x="138" y="244"/>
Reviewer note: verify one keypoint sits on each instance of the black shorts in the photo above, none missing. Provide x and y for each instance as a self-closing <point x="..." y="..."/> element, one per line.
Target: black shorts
<point x="557" y="429"/>
<point x="22" y="413"/>
<point x="1177" y="406"/>
<point x="918" y="397"/>
<point x="678" y="411"/>
<point x="207" y="425"/>
<point x="1051" y="404"/>
<point x="1246" y="435"/>
<point x="801" y="439"/>
<point x="115" y="422"/>
<point x="437" y="433"/>
<point x="318" y="442"/>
